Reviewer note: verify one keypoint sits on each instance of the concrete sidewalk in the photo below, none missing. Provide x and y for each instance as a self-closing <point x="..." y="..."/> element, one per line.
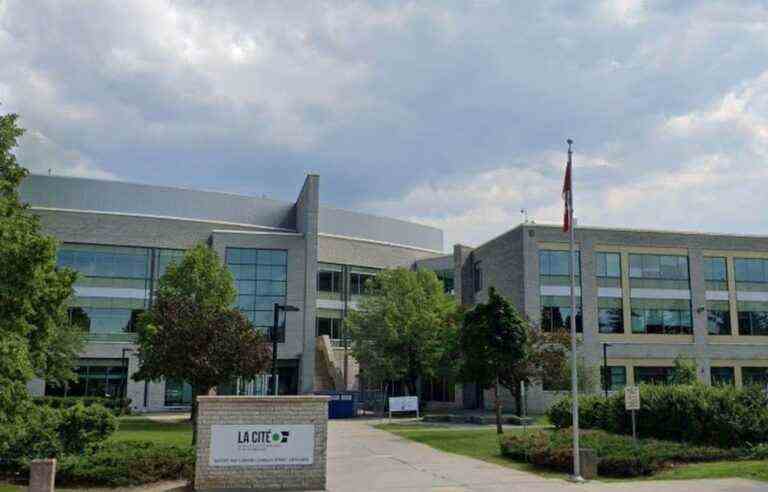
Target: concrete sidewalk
<point x="361" y="458"/>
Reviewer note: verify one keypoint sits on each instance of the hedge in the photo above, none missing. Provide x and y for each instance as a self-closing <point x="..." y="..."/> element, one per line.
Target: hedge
<point x="618" y="456"/>
<point x="46" y="432"/>
<point x="127" y="463"/>
<point x="719" y="416"/>
<point x="118" y="406"/>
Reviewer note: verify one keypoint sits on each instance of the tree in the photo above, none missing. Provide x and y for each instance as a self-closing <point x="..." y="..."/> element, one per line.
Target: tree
<point x="192" y="333"/>
<point x="684" y="371"/>
<point x="403" y="330"/>
<point x="499" y="347"/>
<point x="494" y="343"/>
<point x="36" y="339"/>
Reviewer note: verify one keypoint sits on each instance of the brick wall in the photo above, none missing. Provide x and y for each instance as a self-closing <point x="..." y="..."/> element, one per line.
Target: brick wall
<point x="281" y="410"/>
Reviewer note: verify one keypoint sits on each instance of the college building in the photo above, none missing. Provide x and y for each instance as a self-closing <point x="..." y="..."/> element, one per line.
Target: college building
<point x="120" y="237"/>
<point x="644" y="297"/>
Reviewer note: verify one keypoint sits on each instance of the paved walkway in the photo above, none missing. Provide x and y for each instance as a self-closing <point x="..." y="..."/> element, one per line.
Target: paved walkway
<point x="361" y="458"/>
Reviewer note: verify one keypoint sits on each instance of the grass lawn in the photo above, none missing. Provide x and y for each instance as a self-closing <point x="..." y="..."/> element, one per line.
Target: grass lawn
<point x="483" y="444"/>
<point x="11" y="488"/>
<point x="143" y="429"/>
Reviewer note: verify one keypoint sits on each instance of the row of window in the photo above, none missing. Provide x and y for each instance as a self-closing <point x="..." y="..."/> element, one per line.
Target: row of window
<point x="617" y="377"/>
<point x="332" y="281"/>
<point x="665" y="267"/>
<point x="261" y="278"/>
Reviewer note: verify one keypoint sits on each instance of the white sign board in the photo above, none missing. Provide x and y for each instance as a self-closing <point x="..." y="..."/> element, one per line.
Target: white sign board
<point x="262" y="445"/>
<point x="632" y="398"/>
<point x="404" y="404"/>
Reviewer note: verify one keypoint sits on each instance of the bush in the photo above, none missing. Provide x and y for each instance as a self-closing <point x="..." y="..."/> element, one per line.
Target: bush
<point x="118" y="406"/>
<point x="46" y="432"/>
<point x="82" y="426"/>
<point x="618" y="456"/>
<point x="720" y="416"/>
<point x="127" y="463"/>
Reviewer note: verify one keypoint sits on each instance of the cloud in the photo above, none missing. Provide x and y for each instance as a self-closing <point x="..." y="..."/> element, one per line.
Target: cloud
<point x="452" y="114"/>
<point x="41" y="155"/>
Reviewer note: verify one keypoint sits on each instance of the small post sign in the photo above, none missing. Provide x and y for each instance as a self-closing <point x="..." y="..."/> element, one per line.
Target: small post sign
<point x="632" y="404"/>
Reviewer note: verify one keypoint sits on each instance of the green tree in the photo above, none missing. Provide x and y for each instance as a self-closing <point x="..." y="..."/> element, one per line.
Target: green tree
<point x="404" y="329"/>
<point x="684" y="371"/>
<point x="36" y="339"/>
<point x="192" y="333"/>
<point x="495" y="346"/>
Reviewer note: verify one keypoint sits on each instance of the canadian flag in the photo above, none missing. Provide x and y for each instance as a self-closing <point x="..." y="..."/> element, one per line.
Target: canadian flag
<point x="568" y="212"/>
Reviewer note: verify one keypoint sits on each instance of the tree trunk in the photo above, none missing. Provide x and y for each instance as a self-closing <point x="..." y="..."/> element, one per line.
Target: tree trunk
<point x="497" y="405"/>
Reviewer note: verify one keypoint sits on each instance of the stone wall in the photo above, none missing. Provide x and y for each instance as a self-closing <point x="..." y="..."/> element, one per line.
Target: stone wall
<point x="269" y="410"/>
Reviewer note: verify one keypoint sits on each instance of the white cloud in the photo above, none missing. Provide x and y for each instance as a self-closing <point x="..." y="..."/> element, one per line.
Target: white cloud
<point x="41" y="155"/>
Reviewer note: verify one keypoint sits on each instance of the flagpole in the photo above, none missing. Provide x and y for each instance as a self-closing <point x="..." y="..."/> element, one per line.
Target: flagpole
<point x="574" y="376"/>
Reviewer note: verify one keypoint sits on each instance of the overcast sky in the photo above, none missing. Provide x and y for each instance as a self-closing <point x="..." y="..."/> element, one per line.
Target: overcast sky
<point x="452" y="115"/>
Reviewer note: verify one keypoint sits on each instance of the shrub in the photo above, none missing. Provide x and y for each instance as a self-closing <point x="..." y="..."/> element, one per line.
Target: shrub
<point x="721" y="416"/>
<point x="618" y="456"/>
<point x="46" y="432"/>
<point x="127" y="463"/>
<point x="118" y="406"/>
<point x="82" y="426"/>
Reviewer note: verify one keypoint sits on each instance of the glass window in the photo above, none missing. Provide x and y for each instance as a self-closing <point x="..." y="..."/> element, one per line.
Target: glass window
<point x="754" y="375"/>
<point x="722" y="376"/>
<point x="617" y="377"/>
<point x="610" y="320"/>
<point x="750" y="270"/>
<point x="104" y="320"/>
<point x="556" y="263"/>
<point x="478" y="277"/>
<point x="330" y="327"/>
<point x="666" y="267"/>
<point x="719" y="322"/>
<point x="753" y="323"/>
<point x="653" y="375"/>
<point x="555" y="318"/>
<point x="95" y="377"/>
<point x="662" y="321"/>
<point x="177" y="393"/>
<point x="715" y="269"/>
<point x="261" y="281"/>
<point x="329" y="281"/>
<point x="608" y="265"/>
<point x="359" y="283"/>
<point x="105" y="261"/>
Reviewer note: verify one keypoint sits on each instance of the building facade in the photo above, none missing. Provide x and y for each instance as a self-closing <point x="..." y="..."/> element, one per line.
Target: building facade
<point x="120" y="237"/>
<point x="643" y="299"/>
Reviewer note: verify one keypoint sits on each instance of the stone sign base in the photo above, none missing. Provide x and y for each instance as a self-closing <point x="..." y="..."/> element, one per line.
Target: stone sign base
<point x="261" y="443"/>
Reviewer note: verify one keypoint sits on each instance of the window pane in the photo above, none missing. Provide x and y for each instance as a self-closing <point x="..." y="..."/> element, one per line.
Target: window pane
<point x="610" y="320"/>
<point x="754" y="375"/>
<point x="651" y="266"/>
<point x="719" y="322"/>
<point x="654" y="322"/>
<point x="544" y="266"/>
<point x="600" y="264"/>
<point x="723" y="376"/>
<point x="613" y="265"/>
<point x="669" y="267"/>
<point x="638" y="321"/>
<point x="715" y="269"/>
<point x="559" y="263"/>
<point x="635" y="266"/>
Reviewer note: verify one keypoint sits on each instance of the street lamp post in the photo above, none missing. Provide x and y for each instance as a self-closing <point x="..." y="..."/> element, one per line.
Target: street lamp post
<point x="605" y="368"/>
<point x="275" y="326"/>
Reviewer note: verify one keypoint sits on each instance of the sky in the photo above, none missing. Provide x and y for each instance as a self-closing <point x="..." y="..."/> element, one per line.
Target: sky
<point x="451" y="114"/>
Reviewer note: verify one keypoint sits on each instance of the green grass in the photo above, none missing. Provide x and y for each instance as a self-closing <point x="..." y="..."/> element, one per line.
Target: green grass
<point x="483" y="444"/>
<point x="143" y="429"/>
<point x="755" y="470"/>
<point x="11" y="488"/>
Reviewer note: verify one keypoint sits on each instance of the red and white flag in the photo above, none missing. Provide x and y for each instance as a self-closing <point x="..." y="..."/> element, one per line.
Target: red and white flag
<point x="568" y="213"/>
